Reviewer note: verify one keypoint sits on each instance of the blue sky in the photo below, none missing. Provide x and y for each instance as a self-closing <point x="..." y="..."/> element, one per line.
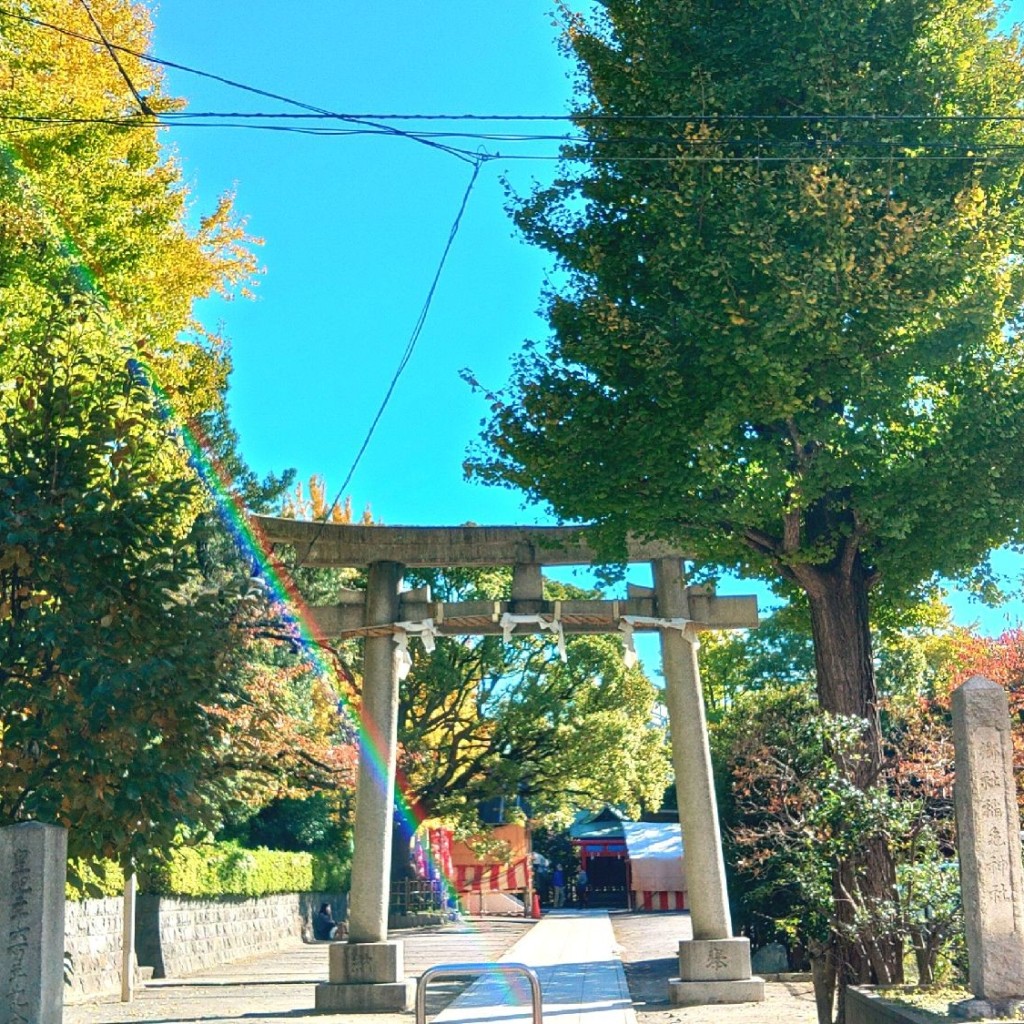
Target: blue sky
<point x="354" y="227"/>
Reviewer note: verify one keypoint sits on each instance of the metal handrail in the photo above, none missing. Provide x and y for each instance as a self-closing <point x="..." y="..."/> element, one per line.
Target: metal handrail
<point x="460" y="970"/>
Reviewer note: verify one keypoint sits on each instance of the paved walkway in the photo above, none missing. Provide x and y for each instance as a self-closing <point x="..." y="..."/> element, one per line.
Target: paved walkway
<point x="575" y="954"/>
<point x="581" y="977"/>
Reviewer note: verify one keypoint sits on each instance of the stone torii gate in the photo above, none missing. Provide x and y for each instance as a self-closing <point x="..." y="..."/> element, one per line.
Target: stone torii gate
<point x="366" y="973"/>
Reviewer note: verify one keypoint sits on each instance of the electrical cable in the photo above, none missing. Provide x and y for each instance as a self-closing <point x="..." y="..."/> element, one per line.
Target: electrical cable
<point x="406" y="356"/>
<point x="143" y="105"/>
<point x="837" y="149"/>
<point x="175" y="118"/>
<point x="375" y="122"/>
<point x="628" y="118"/>
<point x="386" y="129"/>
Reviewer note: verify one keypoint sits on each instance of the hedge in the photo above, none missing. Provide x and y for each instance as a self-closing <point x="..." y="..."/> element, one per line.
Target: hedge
<point x="225" y="869"/>
<point x="216" y="869"/>
<point x="95" y="879"/>
<point x="331" y="872"/>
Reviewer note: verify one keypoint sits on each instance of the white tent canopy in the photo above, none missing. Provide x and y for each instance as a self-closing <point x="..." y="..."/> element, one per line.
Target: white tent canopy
<point x="655" y="856"/>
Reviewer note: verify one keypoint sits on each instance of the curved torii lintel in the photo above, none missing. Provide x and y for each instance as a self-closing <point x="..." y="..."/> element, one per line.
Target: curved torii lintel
<point x="346" y="545"/>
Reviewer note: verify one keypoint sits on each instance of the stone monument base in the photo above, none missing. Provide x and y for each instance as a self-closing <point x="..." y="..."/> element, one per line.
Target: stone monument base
<point x="715" y="971"/>
<point x="984" y="1009"/>
<point x="366" y="977"/>
<point x="708" y="993"/>
<point x="366" y="997"/>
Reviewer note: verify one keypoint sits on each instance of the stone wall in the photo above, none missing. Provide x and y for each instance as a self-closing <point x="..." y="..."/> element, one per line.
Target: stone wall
<point x="866" y="1006"/>
<point x="176" y="936"/>
<point x="92" y="937"/>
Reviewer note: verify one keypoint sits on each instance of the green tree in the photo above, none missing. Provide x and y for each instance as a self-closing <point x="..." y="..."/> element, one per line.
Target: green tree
<point x="117" y="663"/>
<point x="132" y="698"/>
<point x="793" y="821"/>
<point x="87" y="206"/>
<point x="778" y="653"/>
<point x="487" y="719"/>
<point x="788" y="337"/>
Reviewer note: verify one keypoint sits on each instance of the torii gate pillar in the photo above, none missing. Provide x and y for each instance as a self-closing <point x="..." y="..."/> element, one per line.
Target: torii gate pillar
<point x="714" y="967"/>
<point x="367" y="973"/>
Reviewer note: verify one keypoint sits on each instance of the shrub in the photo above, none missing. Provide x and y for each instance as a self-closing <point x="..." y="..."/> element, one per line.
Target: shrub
<point x="331" y="872"/>
<point x="93" y="879"/>
<point x="226" y="869"/>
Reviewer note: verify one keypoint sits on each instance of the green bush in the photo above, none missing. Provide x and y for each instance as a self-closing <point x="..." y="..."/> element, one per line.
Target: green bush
<point x="93" y="880"/>
<point x="226" y="869"/>
<point x="216" y="869"/>
<point x="331" y="872"/>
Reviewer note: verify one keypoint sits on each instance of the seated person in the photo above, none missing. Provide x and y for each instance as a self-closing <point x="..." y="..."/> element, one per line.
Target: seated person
<point x="324" y="926"/>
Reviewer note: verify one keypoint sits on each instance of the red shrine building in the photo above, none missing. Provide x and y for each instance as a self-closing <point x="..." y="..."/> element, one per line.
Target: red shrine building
<point x="635" y="864"/>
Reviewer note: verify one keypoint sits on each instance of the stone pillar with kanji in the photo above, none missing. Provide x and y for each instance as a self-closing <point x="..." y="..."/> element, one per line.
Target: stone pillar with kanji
<point x="988" y="837"/>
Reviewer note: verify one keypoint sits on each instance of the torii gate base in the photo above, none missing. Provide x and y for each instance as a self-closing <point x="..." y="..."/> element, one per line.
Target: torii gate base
<point x="728" y="960"/>
<point x="367" y="973"/>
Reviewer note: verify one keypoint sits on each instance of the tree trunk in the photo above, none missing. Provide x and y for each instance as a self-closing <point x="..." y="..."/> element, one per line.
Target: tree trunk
<point x="823" y="974"/>
<point x="838" y="596"/>
<point x="925" y="953"/>
<point x="843" y="658"/>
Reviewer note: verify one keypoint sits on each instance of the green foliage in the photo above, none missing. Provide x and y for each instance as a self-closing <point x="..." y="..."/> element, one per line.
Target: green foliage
<point x="332" y="872"/>
<point x="308" y="823"/>
<point x="87" y="206"/>
<point x="115" y="657"/>
<point x="793" y="823"/>
<point x="916" y="650"/>
<point x="794" y="334"/>
<point x="932" y="908"/>
<point x="787" y="332"/>
<point x="773" y="768"/>
<point x="96" y="879"/>
<point x="137" y="693"/>
<point x="320" y="824"/>
<point x="778" y="653"/>
<point x="226" y="869"/>
<point x="554" y="844"/>
<point x="490" y="719"/>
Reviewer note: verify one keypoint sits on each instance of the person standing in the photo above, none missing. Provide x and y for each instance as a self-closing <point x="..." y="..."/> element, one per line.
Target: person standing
<point x="558" y="884"/>
<point x="583" y="888"/>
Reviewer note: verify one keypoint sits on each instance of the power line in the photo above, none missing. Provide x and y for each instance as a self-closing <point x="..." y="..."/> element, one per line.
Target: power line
<point x="143" y="105"/>
<point x="386" y="129"/>
<point x="362" y="127"/>
<point x="626" y="118"/>
<point x="403" y="362"/>
<point x="376" y="122"/>
<point x="761" y="150"/>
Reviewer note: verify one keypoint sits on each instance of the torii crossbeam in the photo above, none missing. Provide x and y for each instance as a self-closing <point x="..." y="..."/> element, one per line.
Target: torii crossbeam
<point x="366" y="973"/>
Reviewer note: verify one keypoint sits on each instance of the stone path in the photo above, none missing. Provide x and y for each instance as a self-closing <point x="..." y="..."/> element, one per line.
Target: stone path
<point x="280" y="986"/>
<point x="579" y="959"/>
<point x="581" y="977"/>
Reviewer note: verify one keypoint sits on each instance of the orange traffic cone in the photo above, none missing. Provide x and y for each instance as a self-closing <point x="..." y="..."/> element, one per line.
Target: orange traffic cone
<point x="535" y="914"/>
